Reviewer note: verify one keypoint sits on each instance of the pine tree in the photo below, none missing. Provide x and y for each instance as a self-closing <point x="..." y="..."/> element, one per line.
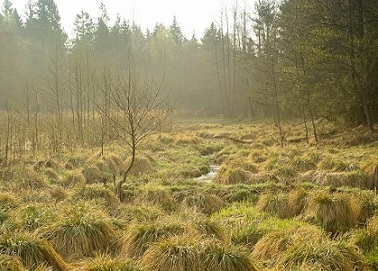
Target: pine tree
<point x="176" y="32"/>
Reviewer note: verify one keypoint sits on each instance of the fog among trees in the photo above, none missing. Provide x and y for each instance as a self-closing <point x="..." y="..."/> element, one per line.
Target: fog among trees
<point x="282" y="59"/>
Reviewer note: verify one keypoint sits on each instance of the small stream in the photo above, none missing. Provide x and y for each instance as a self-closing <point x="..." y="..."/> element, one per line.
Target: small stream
<point x="209" y="176"/>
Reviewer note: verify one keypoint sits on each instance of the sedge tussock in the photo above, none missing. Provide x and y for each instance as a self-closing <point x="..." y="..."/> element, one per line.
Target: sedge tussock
<point x="204" y="202"/>
<point x="274" y="205"/>
<point x="218" y="257"/>
<point x="189" y="254"/>
<point x="307" y="247"/>
<point x="31" y="250"/>
<point x="157" y="195"/>
<point x="227" y="175"/>
<point x="35" y="216"/>
<point x="284" y="205"/>
<point x="8" y="202"/>
<point x="96" y="191"/>
<point x="335" y="212"/>
<point x="211" y="228"/>
<point x="81" y="232"/>
<point x="274" y="244"/>
<point x="328" y="255"/>
<point x="140" y="236"/>
<point x="104" y="262"/>
<point x="174" y="254"/>
<point x="11" y="263"/>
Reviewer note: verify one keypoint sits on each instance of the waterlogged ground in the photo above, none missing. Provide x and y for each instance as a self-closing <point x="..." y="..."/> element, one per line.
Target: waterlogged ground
<point x="204" y="195"/>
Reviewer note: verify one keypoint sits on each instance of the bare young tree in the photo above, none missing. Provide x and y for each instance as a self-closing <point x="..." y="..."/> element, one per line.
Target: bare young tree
<point x="136" y="112"/>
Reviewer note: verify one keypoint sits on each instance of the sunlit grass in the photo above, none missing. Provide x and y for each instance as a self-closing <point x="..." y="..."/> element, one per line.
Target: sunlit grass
<point x="142" y="235"/>
<point x="287" y="207"/>
<point x="81" y="232"/>
<point x="31" y="250"/>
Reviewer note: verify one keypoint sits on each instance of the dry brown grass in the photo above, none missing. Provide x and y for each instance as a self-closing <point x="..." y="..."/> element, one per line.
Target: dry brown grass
<point x="82" y="231"/>
<point x="336" y="213"/>
<point x="283" y="205"/>
<point x="227" y="175"/>
<point x="141" y="236"/>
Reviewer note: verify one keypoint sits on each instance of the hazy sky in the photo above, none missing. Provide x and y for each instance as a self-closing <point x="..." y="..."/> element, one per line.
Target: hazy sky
<point x="192" y="15"/>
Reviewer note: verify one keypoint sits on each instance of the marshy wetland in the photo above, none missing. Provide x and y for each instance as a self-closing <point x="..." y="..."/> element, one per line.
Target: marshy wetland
<point x="298" y="207"/>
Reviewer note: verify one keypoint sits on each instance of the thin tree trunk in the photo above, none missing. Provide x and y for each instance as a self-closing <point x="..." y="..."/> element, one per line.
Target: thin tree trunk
<point x="304" y="120"/>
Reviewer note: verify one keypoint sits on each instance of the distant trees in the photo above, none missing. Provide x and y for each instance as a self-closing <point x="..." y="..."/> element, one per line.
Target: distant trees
<point x="280" y="60"/>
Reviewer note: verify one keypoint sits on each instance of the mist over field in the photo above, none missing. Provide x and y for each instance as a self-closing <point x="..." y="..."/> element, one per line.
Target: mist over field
<point x="250" y="146"/>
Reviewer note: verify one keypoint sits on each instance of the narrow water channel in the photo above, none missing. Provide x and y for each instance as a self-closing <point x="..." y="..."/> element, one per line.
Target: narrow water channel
<point x="209" y="176"/>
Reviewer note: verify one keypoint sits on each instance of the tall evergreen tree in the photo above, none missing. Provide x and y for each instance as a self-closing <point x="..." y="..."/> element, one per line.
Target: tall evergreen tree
<point x="84" y="30"/>
<point x="176" y="32"/>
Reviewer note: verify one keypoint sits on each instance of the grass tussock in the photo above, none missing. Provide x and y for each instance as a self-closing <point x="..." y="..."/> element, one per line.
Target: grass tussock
<point x="10" y="263"/>
<point x="142" y="235"/>
<point x="283" y="205"/>
<point x="305" y="248"/>
<point x="174" y="254"/>
<point x="81" y="232"/>
<point x="31" y="250"/>
<point x="218" y="257"/>
<point x="179" y="254"/>
<point x="204" y="202"/>
<point x="336" y="213"/>
<point x="35" y="216"/>
<point x="228" y="175"/>
<point x="96" y="191"/>
<point x="106" y="263"/>
<point x="157" y="195"/>
<point x="92" y="174"/>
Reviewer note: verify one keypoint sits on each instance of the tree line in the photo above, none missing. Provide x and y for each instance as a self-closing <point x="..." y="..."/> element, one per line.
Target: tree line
<point x="278" y="59"/>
